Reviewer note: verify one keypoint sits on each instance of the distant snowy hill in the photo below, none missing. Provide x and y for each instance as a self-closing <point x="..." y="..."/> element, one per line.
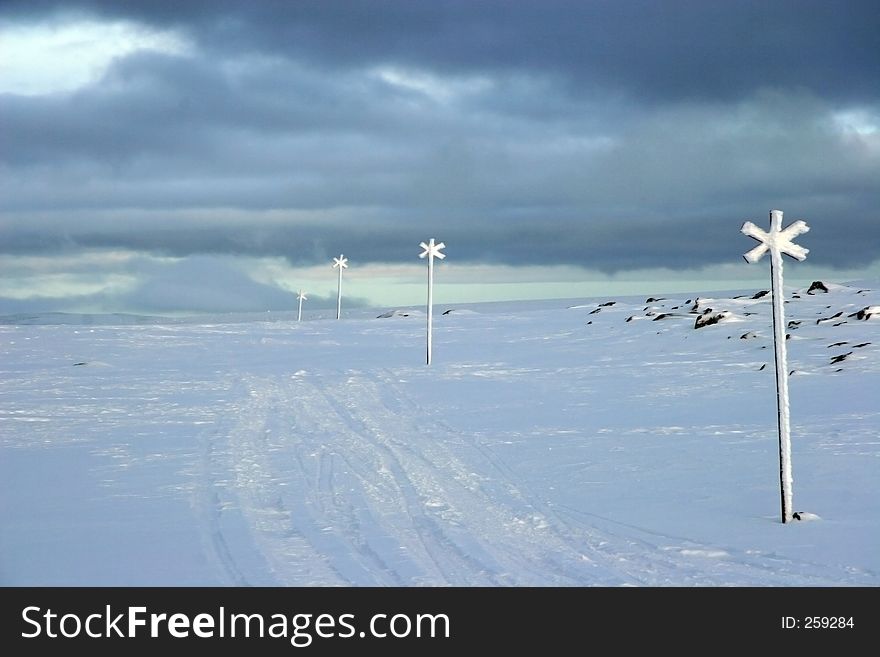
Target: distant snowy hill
<point x="24" y="319"/>
<point x="572" y="442"/>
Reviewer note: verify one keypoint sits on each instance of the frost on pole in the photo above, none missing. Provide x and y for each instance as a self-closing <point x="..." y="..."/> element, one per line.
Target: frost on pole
<point x="339" y="263"/>
<point x="778" y="241"/>
<point x="431" y="251"/>
<point x="302" y="297"/>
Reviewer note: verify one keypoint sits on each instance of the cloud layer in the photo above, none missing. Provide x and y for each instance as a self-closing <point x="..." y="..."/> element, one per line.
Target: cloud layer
<point x="609" y="135"/>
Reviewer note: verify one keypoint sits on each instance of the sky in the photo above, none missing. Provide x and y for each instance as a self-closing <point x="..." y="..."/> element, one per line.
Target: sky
<point x="213" y="156"/>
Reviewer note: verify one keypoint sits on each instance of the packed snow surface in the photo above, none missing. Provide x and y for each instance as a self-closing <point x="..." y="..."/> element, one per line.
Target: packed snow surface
<point x="554" y="443"/>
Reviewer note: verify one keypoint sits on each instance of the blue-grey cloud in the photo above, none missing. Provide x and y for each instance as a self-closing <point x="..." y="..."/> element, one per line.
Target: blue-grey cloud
<point x="677" y="49"/>
<point x="614" y="135"/>
<point x="197" y="284"/>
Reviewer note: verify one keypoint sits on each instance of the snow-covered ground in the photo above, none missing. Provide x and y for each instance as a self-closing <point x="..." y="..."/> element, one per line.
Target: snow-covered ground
<point x="548" y="444"/>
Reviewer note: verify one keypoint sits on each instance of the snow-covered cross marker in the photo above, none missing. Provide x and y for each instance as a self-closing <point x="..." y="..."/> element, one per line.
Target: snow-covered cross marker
<point x="431" y="251"/>
<point x="341" y="263"/>
<point x="302" y="297"/>
<point x="778" y="241"/>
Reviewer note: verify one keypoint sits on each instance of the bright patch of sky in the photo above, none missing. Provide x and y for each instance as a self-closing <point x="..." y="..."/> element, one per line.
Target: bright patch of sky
<point x="860" y="127"/>
<point x="51" y="58"/>
<point x="858" y="121"/>
<point x="439" y="89"/>
<point x="64" y="285"/>
<point x="405" y="285"/>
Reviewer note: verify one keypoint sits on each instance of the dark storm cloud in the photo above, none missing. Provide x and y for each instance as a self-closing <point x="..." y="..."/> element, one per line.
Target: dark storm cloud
<point x="150" y="103"/>
<point x="675" y="49"/>
<point x="615" y="135"/>
<point x="627" y="242"/>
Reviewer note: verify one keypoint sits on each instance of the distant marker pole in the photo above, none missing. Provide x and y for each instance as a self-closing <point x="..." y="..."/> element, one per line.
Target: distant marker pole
<point x="431" y="251"/>
<point x="339" y="263"/>
<point x="302" y="297"/>
<point x="778" y="241"/>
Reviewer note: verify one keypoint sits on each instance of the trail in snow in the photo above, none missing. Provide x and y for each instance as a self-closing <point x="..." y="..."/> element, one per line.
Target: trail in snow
<point x="351" y="482"/>
<point x="558" y="446"/>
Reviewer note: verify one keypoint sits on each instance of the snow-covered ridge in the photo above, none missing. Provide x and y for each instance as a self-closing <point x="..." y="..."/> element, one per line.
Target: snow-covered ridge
<point x="668" y="305"/>
<point x="80" y="319"/>
<point x="817" y="312"/>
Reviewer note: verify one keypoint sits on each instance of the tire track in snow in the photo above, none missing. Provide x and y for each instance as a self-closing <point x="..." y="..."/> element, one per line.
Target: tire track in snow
<point x="208" y="509"/>
<point x="450" y="517"/>
<point x="455" y="505"/>
<point x="317" y="492"/>
<point x="452" y="563"/>
<point x="583" y="555"/>
<point x="333" y="487"/>
<point x="257" y="491"/>
<point x="634" y="555"/>
<point x="352" y="482"/>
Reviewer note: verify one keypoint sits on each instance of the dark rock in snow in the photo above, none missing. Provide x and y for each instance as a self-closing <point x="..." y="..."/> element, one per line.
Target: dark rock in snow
<point x="828" y="319"/>
<point x="653" y="299"/>
<point x="81" y="363"/>
<point x="662" y="316"/>
<point x="762" y="367"/>
<point x="836" y="344"/>
<point x="708" y="319"/>
<point x="794" y="323"/>
<point x="839" y="324"/>
<point x="446" y="312"/>
<point x="630" y="318"/>
<point x="748" y="336"/>
<point x="590" y="322"/>
<point x="607" y="303"/>
<point x="593" y="312"/>
<point x="867" y="312"/>
<point x="840" y="358"/>
<point x="762" y="293"/>
<point x="817" y="286"/>
<point x="859" y="346"/>
<point x="393" y="313"/>
<point x="788" y="336"/>
<point x="696" y="306"/>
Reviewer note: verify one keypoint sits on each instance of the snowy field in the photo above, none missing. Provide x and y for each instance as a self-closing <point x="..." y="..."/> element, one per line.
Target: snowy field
<point x="548" y="444"/>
